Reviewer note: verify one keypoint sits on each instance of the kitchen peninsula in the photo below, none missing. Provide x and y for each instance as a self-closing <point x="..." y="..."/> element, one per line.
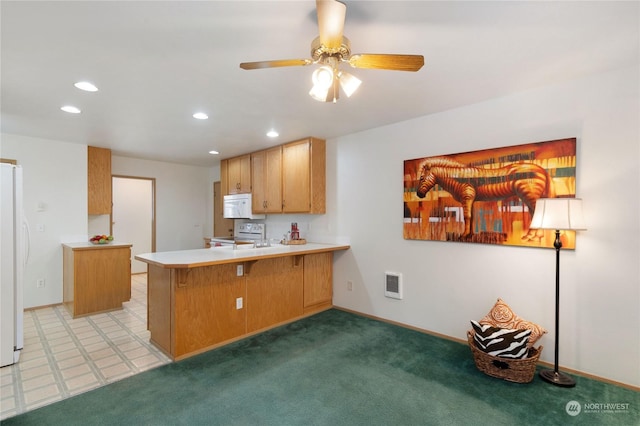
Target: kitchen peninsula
<point x="201" y="299"/>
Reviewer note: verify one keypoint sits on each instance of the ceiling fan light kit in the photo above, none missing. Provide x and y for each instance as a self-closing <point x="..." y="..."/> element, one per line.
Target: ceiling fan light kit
<point x="326" y="79"/>
<point x="330" y="48"/>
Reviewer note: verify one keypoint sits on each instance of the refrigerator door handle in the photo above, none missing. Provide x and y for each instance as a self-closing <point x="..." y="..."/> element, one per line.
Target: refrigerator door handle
<point x="27" y="241"/>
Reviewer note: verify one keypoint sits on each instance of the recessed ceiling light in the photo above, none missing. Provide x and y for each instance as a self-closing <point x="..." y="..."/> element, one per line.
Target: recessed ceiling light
<point x="200" y="116"/>
<point x="214" y="152"/>
<point x="272" y="134"/>
<point x="71" y="109"/>
<point x="86" y="86"/>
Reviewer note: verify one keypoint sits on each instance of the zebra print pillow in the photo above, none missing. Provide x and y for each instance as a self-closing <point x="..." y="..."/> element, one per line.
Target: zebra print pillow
<point x="502" y="342"/>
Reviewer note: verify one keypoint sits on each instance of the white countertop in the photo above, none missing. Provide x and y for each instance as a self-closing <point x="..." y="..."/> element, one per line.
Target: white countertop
<point x="226" y="254"/>
<point x="87" y="245"/>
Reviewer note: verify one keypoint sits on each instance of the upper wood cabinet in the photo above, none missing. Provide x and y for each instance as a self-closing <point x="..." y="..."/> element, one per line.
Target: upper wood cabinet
<point x="239" y="174"/>
<point x="303" y="176"/>
<point x="99" y="180"/>
<point x="288" y="178"/>
<point x="266" y="181"/>
<point x="224" y="178"/>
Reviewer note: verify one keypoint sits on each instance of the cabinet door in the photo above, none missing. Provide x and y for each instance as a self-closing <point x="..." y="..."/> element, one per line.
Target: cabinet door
<point x="274" y="291"/>
<point x="258" y="164"/>
<point x="239" y="174"/>
<point x="233" y="176"/>
<point x="303" y="176"/>
<point x="295" y="177"/>
<point x="99" y="180"/>
<point x="224" y="178"/>
<point x="102" y="279"/>
<point x="273" y="180"/>
<point x="245" y="174"/>
<point x="318" y="281"/>
<point x="266" y="183"/>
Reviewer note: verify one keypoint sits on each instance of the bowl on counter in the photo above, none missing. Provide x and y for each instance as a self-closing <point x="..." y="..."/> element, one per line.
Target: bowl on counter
<point x="101" y="239"/>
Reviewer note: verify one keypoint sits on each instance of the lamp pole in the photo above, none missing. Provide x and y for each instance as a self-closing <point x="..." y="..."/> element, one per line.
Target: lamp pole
<point x="555" y="377"/>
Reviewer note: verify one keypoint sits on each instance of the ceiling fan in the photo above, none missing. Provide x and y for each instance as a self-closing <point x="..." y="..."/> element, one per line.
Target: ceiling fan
<point x="330" y="49"/>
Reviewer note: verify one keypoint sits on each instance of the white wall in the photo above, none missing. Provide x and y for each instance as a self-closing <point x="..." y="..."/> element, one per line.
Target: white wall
<point x="184" y="200"/>
<point x="55" y="177"/>
<point x="55" y="196"/>
<point x="447" y="284"/>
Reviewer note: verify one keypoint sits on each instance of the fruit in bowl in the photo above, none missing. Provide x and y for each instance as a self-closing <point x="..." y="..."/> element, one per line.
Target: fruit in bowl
<point x="101" y="239"/>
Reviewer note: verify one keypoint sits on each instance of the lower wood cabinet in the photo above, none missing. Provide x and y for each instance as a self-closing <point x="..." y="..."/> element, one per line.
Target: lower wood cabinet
<point x="206" y="310"/>
<point x="95" y="278"/>
<point x="318" y="281"/>
<point x="191" y="310"/>
<point x="274" y="291"/>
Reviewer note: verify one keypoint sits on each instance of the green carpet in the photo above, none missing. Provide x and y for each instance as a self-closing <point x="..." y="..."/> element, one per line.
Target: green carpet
<point x="336" y="368"/>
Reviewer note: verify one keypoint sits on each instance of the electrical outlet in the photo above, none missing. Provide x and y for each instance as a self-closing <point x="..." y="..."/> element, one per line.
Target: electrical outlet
<point x="350" y="285"/>
<point x="40" y="283"/>
<point x="239" y="270"/>
<point x="239" y="303"/>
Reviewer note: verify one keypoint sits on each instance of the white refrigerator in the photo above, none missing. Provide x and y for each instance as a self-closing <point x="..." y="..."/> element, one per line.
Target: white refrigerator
<point x="14" y="248"/>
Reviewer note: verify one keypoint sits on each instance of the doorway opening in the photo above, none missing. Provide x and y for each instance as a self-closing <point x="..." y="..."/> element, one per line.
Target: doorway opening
<point x="133" y="216"/>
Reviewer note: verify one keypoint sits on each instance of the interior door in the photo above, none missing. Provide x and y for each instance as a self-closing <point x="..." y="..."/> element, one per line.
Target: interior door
<point x="133" y="217"/>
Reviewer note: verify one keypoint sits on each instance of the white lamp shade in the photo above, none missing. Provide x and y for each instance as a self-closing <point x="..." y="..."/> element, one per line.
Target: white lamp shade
<point x="322" y="77"/>
<point x="324" y="84"/>
<point x="558" y="214"/>
<point x="349" y="83"/>
<point x="319" y="93"/>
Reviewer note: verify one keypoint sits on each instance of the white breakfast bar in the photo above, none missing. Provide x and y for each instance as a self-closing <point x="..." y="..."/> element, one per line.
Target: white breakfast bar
<point x="201" y="299"/>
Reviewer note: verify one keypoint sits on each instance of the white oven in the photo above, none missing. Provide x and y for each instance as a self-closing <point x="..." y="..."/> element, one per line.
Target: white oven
<point x="244" y="233"/>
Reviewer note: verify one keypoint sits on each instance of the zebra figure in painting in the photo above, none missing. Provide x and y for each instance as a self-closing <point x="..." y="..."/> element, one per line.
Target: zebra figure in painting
<point x="468" y="184"/>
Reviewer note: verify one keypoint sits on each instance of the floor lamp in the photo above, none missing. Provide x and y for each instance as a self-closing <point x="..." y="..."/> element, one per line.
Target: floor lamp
<point x="558" y="214"/>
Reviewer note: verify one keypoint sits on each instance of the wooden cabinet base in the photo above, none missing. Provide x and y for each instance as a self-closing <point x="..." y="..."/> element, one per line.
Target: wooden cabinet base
<point x="96" y="279"/>
<point x="193" y="310"/>
<point x="274" y="292"/>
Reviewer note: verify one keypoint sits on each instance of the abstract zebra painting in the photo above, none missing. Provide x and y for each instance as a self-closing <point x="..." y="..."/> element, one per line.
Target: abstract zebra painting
<point x="488" y="196"/>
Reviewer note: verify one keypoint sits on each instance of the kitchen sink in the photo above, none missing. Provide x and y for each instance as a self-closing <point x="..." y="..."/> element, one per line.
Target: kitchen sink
<point x="258" y="247"/>
<point x="245" y="247"/>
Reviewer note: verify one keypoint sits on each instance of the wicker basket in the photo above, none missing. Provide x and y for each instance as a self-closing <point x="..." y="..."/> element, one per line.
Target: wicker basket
<point x="513" y="370"/>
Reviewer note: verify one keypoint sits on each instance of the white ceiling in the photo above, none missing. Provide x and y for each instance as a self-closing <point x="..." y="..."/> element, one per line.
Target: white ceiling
<point x="156" y="63"/>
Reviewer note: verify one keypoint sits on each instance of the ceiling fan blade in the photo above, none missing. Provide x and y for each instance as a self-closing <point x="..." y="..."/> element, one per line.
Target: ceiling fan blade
<point x="331" y="14"/>
<point x="275" y="64"/>
<point x="387" y="61"/>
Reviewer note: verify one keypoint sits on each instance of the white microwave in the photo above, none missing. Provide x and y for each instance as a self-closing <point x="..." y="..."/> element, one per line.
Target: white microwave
<point x="238" y="206"/>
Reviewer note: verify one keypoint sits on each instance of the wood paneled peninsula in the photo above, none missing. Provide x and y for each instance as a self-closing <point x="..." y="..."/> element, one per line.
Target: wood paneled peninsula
<point x="205" y="298"/>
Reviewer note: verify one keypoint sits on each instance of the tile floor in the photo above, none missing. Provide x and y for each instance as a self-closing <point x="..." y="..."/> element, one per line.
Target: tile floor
<point x="63" y="357"/>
